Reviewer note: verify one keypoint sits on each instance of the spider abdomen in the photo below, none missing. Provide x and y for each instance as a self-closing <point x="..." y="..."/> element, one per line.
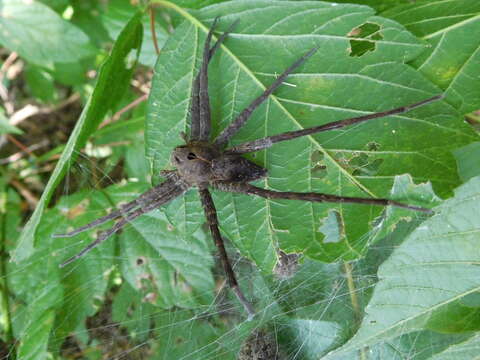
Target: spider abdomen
<point x="236" y="168"/>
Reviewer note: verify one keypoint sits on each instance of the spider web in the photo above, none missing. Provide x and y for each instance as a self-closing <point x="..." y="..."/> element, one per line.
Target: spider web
<point x="303" y="312"/>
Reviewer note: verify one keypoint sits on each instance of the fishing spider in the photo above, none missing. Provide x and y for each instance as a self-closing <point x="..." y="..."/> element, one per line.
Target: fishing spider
<point x="207" y="163"/>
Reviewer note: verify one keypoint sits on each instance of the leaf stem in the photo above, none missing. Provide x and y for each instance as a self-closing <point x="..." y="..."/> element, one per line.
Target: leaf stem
<point x="5" y="318"/>
<point x="355" y="304"/>
<point x="152" y="29"/>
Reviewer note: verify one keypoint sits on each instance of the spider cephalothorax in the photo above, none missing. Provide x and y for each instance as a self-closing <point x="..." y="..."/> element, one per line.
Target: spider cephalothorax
<point x="207" y="163"/>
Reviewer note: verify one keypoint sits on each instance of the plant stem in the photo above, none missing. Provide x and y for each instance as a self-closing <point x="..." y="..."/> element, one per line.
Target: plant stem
<point x="354" y="299"/>
<point x="5" y="318"/>
<point x="152" y="29"/>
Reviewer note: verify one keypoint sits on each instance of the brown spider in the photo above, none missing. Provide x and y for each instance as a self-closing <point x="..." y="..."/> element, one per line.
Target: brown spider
<point x="205" y="163"/>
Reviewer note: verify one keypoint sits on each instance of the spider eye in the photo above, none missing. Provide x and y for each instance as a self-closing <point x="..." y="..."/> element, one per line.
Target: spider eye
<point x="191" y="156"/>
<point x="177" y="159"/>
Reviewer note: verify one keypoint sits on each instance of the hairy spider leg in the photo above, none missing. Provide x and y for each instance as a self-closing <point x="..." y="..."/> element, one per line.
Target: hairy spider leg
<point x="113" y="215"/>
<point x="200" y="107"/>
<point x="212" y="220"/>
<point x="203" y="91"/>
<point x="268" y="141"/>
<point x="245" y="188"/>
<point x="104" y="235"/>
<point x="145" y="198"/>
<point x="167" y="196"/>
<point x="242" y="118"/>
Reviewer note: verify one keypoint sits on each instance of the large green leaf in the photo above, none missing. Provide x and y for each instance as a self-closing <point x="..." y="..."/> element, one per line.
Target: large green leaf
<point x="463" y="351"/>
<point x="179" y="268"/>
<point x="432" y="278"/>
<point x="418" y="345"/>
<point x="452" y="60"/>
<point x="359" y="161"/>
<point x="113" y="80"/>
<point x="40" y="35"/>
<point x="379" y="5"/>
<point x="467" y="161"/>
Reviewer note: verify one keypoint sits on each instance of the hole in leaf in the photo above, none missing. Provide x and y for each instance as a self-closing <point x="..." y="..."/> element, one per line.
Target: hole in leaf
<point x="333" y="227"/>
<point x="319" y="168"/>
<point x="373" y="146"/>
<point x="364" y="38"/>
<point x="316" y="156"/>
<point x="319" y="171"/>
<point x="366" y="163"/>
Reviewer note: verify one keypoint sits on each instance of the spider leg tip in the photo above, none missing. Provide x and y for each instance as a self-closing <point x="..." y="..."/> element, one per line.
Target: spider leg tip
<point x="65" y="263"/>
<point x="215" y="21"/>
<point x="312" y="51"/>
<point x="422" y="209"/>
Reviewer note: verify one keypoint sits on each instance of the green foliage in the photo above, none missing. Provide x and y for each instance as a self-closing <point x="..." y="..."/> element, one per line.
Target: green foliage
<point x="371" y="283"/>
<point x="6" y="127"/>
<point x="318" y="93"/>
<point x="40" y="35"/>
<point x="467" y="161"/>
<point x="431" y="278"/>
<point x="117" y="69"/>
<point x="452" y="61"/>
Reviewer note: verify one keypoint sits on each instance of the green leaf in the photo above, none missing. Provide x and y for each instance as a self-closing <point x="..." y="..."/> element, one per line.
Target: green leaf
<point x="452" y="61"/>
<point x="467" y="161"/>
<point x="117" y="15"/>
<point x="311" y="337"/>
<point x="379" y="5"/>
<point x="87" y="16"/>
<point x="404" y="190"/>
<point x="195" y="4"/>
<point x="57" y="5"/>
<point x="433" y="269"/>
<point x="419" y="345"/>
<point x="33" y="344"/>
<point x="43" y="287"/>
<point x="358" y="161"/>
<point x="36" y="284"/>
<point x="40" y="35"/>
<point x="167" y="270"/>
<point x="129" y="310"/>
<point x="41" y="84"/>
<point x="113" y="80"/>
<point x="177" y="338"/>
<point x="5" y="127"/>
<point x="466" y="350"/>
<point x="84" y="282"/>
